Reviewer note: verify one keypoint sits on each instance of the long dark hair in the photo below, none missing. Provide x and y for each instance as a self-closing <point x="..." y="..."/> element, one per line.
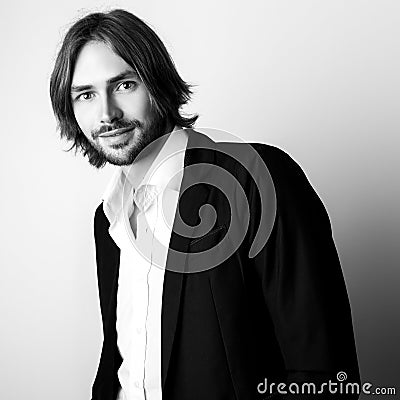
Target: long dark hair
<point x="139" y="46"/>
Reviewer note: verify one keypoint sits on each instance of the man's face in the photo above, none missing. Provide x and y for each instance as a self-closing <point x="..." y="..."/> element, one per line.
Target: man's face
<point x="112" y="105"/>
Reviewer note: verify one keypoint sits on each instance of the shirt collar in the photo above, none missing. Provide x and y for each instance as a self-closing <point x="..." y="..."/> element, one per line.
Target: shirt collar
<point x="168" y="162"/>
<point x="166" y="170"/>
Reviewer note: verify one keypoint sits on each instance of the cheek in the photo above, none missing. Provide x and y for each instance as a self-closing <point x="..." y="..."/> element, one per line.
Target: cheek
<point x="137" y="106"/>
<point x="84" y="119"/>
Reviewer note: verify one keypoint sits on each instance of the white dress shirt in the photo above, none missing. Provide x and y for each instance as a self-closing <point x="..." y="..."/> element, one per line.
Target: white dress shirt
<point x="140" y="216"/>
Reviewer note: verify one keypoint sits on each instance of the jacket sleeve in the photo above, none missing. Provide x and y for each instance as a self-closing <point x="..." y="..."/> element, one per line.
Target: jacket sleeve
<point x="106" y="385"/>
<point x="303" y="285"/>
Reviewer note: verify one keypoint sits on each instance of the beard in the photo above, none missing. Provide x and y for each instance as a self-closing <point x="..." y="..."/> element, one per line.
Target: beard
<point x="124" y="153"/>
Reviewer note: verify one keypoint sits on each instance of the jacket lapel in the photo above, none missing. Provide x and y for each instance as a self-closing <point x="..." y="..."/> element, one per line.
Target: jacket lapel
<point x="199" y="149"/>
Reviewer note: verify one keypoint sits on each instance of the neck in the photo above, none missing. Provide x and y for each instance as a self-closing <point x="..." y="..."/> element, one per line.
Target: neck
<point x="144" y="161"/>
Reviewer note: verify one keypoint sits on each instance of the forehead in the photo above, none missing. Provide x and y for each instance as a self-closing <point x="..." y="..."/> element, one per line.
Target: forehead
<point x="96" y="63"/>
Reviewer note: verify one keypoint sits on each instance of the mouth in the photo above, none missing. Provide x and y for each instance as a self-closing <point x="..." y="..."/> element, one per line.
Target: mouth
<point x="115" y="132"/>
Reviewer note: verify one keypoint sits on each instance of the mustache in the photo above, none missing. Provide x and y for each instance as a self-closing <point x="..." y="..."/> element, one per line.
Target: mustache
<point x="123" y="123"/>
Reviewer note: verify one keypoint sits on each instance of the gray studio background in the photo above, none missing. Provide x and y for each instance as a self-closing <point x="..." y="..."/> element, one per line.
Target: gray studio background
<point x="319" y="79"/>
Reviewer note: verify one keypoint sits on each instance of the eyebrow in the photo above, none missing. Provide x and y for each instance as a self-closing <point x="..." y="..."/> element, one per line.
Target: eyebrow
<point x="122" y="75"/>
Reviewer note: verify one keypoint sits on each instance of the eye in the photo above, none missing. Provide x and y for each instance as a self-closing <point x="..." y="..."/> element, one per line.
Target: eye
<point x="84" y="96"/>
<point x="127" y="85"/>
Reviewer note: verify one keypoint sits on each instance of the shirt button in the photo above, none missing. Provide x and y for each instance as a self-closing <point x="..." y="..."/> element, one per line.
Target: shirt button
<point x="139" y="330"/>
<point x="137" y="384"/>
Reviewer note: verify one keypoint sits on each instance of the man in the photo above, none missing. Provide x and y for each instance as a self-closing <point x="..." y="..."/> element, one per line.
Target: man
<point x="216" y="267"/>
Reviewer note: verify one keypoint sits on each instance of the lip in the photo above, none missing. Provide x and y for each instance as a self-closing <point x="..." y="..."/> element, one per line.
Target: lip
<point x="115" y="132"/>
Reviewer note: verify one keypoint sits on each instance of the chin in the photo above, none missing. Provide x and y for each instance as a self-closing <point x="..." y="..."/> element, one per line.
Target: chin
<point x="121" y="157"/>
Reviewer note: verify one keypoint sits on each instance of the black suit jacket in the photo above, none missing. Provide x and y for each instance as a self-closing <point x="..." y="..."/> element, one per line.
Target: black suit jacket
<point x="281" y="316"/>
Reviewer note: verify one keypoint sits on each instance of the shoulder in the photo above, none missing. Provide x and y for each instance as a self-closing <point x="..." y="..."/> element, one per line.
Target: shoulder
<point x="100" y="223"/>
<point x="259" y="158"/>
<point x="287" y="174"/>
<point x="280" y="164"/>
<point x="252" y="153"/>
<point x="99" y="215"/>
<point x="106" y="248"/>
<point x="293" y="190"/>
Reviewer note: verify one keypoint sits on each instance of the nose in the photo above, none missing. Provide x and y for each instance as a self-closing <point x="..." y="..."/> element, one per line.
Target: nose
<point x="110" y="111"/>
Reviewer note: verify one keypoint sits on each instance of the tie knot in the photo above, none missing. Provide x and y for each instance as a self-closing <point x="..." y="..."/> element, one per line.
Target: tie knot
<point x="144" y="196"/>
